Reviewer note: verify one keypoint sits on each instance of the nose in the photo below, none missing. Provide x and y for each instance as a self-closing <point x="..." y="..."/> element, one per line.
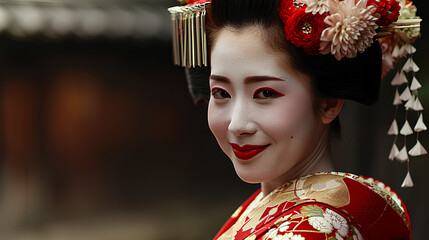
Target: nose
<point x="241" y="123"/>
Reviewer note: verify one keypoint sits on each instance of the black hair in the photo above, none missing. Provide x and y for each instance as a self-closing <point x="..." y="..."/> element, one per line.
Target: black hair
<point x="241" y="13"/>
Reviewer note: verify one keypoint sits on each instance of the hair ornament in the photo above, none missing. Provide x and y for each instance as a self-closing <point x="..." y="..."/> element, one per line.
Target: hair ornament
<point x="189" y="34"/>
<point x="338" y="27"/>
<point x="398" y="54"/>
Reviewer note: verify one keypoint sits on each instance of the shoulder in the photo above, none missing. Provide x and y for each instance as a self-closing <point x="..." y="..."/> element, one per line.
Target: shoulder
<point x="345" y="189"/>
<point x="342" y="205"/>
<point x="322" y="206"/>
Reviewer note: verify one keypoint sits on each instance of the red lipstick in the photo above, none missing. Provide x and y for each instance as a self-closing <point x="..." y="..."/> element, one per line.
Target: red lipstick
<point x="247" y="151"/>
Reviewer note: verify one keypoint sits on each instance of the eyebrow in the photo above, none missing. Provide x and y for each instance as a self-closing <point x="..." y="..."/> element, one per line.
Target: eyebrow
<point x="247" y="79"/>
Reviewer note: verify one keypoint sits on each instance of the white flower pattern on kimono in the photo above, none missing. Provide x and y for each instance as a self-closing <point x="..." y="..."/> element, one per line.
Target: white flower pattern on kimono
<point x="358" y="235"/>
<point x="338" y="222"/>
<point x="321" y="224"/>
<point x="279" y="233"/>
<point x="329" y="222"/>
<point x="284" y="226"/>
<point x="290" y="236"/>
<point x="272" y="233"/>
<point x="350" y="28"/>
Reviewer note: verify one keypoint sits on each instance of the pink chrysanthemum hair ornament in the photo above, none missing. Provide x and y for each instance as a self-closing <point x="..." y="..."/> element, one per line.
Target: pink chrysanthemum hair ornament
<point x="342" y="28"/>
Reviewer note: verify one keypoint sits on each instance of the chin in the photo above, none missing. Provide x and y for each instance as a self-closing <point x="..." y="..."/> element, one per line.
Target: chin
<point x="252" y="177"/>
<point x="250" y="181"/>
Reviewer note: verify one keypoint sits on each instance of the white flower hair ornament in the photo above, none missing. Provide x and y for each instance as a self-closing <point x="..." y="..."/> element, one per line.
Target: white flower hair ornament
<point x="350" y="28"/>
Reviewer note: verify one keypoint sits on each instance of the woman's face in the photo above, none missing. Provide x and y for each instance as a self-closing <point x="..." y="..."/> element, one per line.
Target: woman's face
<point x="261" y="110"/>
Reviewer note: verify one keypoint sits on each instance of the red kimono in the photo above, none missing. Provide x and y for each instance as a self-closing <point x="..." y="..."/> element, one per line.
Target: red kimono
<point x="325" y="206"/>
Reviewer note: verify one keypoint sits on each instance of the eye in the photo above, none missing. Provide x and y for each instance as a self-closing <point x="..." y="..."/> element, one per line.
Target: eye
<point x="219" y="93"/>
<point x="266" y="94"/>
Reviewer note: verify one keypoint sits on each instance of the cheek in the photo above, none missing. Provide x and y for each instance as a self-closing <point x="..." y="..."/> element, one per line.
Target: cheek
<point x="291" y="119"/>
<point x="217" y="121"/>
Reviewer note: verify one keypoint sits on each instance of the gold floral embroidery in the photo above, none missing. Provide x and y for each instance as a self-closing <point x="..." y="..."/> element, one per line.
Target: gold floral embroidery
<point x="312" y="188"/>
<point x="325" y="188"/>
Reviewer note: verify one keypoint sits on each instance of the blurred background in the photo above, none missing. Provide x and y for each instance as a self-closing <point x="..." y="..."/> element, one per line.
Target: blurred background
<point x="99" y="138"/>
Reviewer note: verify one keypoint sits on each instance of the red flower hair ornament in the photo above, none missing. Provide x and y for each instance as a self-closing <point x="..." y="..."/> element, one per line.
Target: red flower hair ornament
<point x="338" y="27"/>
<point x="304" y="30"/>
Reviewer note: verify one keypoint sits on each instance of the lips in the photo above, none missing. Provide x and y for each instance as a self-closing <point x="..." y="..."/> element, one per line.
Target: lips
<point x="247" y="151"/>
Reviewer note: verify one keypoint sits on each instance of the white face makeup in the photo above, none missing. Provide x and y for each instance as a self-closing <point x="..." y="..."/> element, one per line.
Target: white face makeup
<point x="261" y="110"/>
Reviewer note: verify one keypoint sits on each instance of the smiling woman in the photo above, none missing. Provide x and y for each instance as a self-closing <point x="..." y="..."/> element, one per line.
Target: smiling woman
<point x="261" y="111"/>
<point x="279" y="76"/>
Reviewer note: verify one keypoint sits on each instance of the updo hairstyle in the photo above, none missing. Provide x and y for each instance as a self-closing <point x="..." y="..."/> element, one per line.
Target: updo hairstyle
<point x="357" y="79"/>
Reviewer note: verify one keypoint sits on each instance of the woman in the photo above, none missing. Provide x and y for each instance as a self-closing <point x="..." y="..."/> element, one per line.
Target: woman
<point x="278" y="82"/>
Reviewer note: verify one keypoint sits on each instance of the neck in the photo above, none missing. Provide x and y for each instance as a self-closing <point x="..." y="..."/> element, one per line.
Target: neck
<point x="319" y="160"/>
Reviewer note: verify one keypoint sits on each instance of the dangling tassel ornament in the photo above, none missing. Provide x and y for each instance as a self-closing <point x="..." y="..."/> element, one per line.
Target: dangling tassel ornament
<point x="408" y="97"/>
<point x="417" y="150"/>
<point x="420" y="125"/>
<point x="415" y="84"/>
<point x="396" y="47"/>
<point x="402" y="155"/>
<point x="412" y="103"/>
<point x="394" y="152"/>
<point x="408" y="182"/>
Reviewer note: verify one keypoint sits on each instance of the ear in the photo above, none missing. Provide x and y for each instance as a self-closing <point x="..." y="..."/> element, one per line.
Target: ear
<point x="329" y="109"/>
